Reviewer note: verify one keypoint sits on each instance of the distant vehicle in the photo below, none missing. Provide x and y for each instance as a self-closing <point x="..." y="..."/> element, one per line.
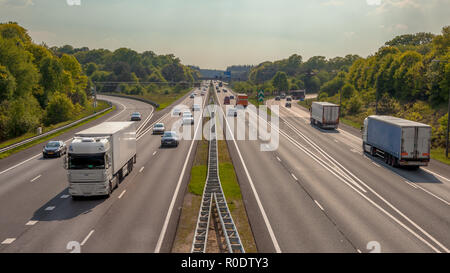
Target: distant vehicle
<point x="242" y="99"/>
<point x="196" y="107"/>
<point x="399" y="141"/>
<point x="203" y="93"/>
<point x="283" y="95"/>
<point x="220" y="84"/>
<point x="100" y="157"/>
<point x="225" y="90"/>
<point x="232" y="112"/>
<point x="226" y="100"/>
<point x="288" y="98"/>
<point x="54" y="148"/>
<point x="158" y="128"/>
<point x="288" y="104"/>
<point x="170" y="138"/>
<point x="192" y="96"/>
<point x="298" y="94"/>
<point x="218" y="90"/>
<point x="187" y="119"/>
<point x="136" y="116"/>
<point x="277" y="98"/>
<point x="231" y="97"/>
<point x="176" y="111"/>
<point x="325" y="114"/>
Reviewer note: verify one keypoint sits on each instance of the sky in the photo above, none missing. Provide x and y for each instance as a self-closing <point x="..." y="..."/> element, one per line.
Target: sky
<point x="217" y="33"/>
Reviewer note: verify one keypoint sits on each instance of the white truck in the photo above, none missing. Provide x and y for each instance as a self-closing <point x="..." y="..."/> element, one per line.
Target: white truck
<point x="99" y="157"/>
<point x="324" y="114"/>
<point x="398" y="141"/>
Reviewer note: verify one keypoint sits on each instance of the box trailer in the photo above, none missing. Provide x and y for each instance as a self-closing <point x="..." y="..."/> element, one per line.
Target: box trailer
<point x="324" y="114"/>
<point x="242" y="99"/>
<point x="398" y="141"/>
<point x="99" y="158"/>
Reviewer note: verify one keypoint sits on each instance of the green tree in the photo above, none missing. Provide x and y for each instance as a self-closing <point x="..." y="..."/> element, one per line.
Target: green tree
<point x="60" y="108"/>
<point x="280" y="82"/>
<point x="7" y="84"/>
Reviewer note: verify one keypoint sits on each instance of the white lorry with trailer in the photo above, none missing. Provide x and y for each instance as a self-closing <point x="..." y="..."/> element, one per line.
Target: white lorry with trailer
<point x="399" y="142"/>
<point x="99" y="157"/>
<point x="324" y="114"/>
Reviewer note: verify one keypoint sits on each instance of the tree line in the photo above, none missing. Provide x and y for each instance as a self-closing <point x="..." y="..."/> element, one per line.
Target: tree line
<point x="41" y="85"/>
<point x="408" y="77"/>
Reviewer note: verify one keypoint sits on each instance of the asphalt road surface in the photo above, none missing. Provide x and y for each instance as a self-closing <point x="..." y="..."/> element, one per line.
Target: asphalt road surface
<point x="38" y="215"/>
<point x="317" y="192"/>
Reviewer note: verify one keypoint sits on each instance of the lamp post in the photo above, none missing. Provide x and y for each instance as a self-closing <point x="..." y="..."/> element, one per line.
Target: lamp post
<point x="448" y="113"/>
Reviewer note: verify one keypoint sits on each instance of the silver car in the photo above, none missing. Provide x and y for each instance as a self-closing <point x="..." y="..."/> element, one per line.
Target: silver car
<point x="158" y="128"/>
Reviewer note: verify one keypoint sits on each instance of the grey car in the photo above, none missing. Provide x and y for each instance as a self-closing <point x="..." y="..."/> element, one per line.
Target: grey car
<point x="170" y="138"/>
<point x="54" y="149"/>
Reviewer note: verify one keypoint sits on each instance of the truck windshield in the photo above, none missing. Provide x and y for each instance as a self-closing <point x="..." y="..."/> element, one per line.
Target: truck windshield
<point x="86" y="161"/>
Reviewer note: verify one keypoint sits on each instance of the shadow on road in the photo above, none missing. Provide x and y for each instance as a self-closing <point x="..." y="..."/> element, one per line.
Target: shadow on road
<point x="410" y="174"/>
<point x="66" y="208"/>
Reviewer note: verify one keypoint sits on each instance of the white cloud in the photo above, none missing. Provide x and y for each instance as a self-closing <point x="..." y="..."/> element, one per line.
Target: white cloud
<point x="16" y="3"/>
<point x="373" y="2"/>
<point x="333" y="3"/>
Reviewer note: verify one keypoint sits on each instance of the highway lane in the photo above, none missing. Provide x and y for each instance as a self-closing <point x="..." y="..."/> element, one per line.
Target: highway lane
<point x="60" y="219"/>
<point x="29" y="186"/>
<point x="358" y="217"/>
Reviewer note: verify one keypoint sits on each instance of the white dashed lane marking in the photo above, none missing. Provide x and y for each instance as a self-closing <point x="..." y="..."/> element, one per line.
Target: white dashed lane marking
<point x="34" y="179"/>
<point x="8" y="241"/>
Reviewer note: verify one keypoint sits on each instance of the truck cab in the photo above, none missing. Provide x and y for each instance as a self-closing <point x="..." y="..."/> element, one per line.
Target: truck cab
<point x="88" y="165"/>
<point x="242" y="99"/>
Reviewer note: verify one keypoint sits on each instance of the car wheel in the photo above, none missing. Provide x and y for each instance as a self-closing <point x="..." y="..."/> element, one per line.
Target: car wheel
<point x="44" y="156"/>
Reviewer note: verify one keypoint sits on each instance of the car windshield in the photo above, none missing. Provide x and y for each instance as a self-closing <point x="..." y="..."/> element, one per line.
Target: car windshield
<point x="169" y="134"/>
<point x="159" y="125"/>
<point x="87" y="161"/>
<point x="52" y="144"/>
<point x="187" y="115"/>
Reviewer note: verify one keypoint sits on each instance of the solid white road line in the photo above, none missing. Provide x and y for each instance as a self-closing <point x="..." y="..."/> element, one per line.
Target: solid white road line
<point x="33" y="157"/>
<point x="50" y="208"/>
<point x="436" y="174"/>
<point x="31" y="223"/>
<point x="120" y="196"/>
<point x="430" y="193"/>
<point x="8" y="241"/>
<point x="34" y="179"/>
<point x="317" y="203"/>
<point x="17" y="165"/>
<point x="255" y="193"/>
<point x="175" y="195"/>
<point x="87" y="238"/>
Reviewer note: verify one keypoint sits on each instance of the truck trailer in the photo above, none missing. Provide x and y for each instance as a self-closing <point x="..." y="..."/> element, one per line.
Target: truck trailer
<point x="399" y="142"/>
<point x="100" y="157"/>
<point x="324" y="114"/>
<point x="242" y="99"/>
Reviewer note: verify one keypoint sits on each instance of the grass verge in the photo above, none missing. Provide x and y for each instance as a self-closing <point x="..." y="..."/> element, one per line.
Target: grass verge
<point x="40" y="140"/>
<point x="439" y="154"/>
<point x="88" y="111"/>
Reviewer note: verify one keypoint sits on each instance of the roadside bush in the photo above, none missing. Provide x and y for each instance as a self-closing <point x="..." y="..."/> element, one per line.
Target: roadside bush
<point x="59" y="109"/>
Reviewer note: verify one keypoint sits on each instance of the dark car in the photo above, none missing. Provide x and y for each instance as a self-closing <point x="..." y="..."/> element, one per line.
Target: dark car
<point x="136" y="116"/>
<point x="277" y="98"/>
<point x="169" y="138"/>
<point x="54" y="149"/>
<point x="288" y="104"/>
<point x="231" y="97"/>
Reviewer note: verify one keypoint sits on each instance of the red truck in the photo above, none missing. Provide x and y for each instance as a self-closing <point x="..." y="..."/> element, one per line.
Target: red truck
<point x="242" y="99"/>
<point x="226" y="100"/>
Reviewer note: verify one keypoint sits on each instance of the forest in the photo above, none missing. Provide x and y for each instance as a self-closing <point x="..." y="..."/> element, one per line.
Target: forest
<point x="43" y="86"/>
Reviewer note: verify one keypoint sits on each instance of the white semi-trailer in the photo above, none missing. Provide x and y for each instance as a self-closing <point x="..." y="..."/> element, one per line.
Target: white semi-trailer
<point x="398" y="141"/>
<point x="99" y="157"/>
<point x="325" y="114"/>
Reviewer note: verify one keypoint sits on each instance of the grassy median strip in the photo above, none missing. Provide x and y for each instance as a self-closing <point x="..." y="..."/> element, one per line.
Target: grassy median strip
<point x="192" y="200"/>
<point x="40" y="140"/>
<point x="232" y="192"/>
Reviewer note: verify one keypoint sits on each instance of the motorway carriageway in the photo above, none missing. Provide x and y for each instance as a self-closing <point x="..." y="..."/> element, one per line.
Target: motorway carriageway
<point x="38" y="215"/>
<point x="319" y="193"/>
